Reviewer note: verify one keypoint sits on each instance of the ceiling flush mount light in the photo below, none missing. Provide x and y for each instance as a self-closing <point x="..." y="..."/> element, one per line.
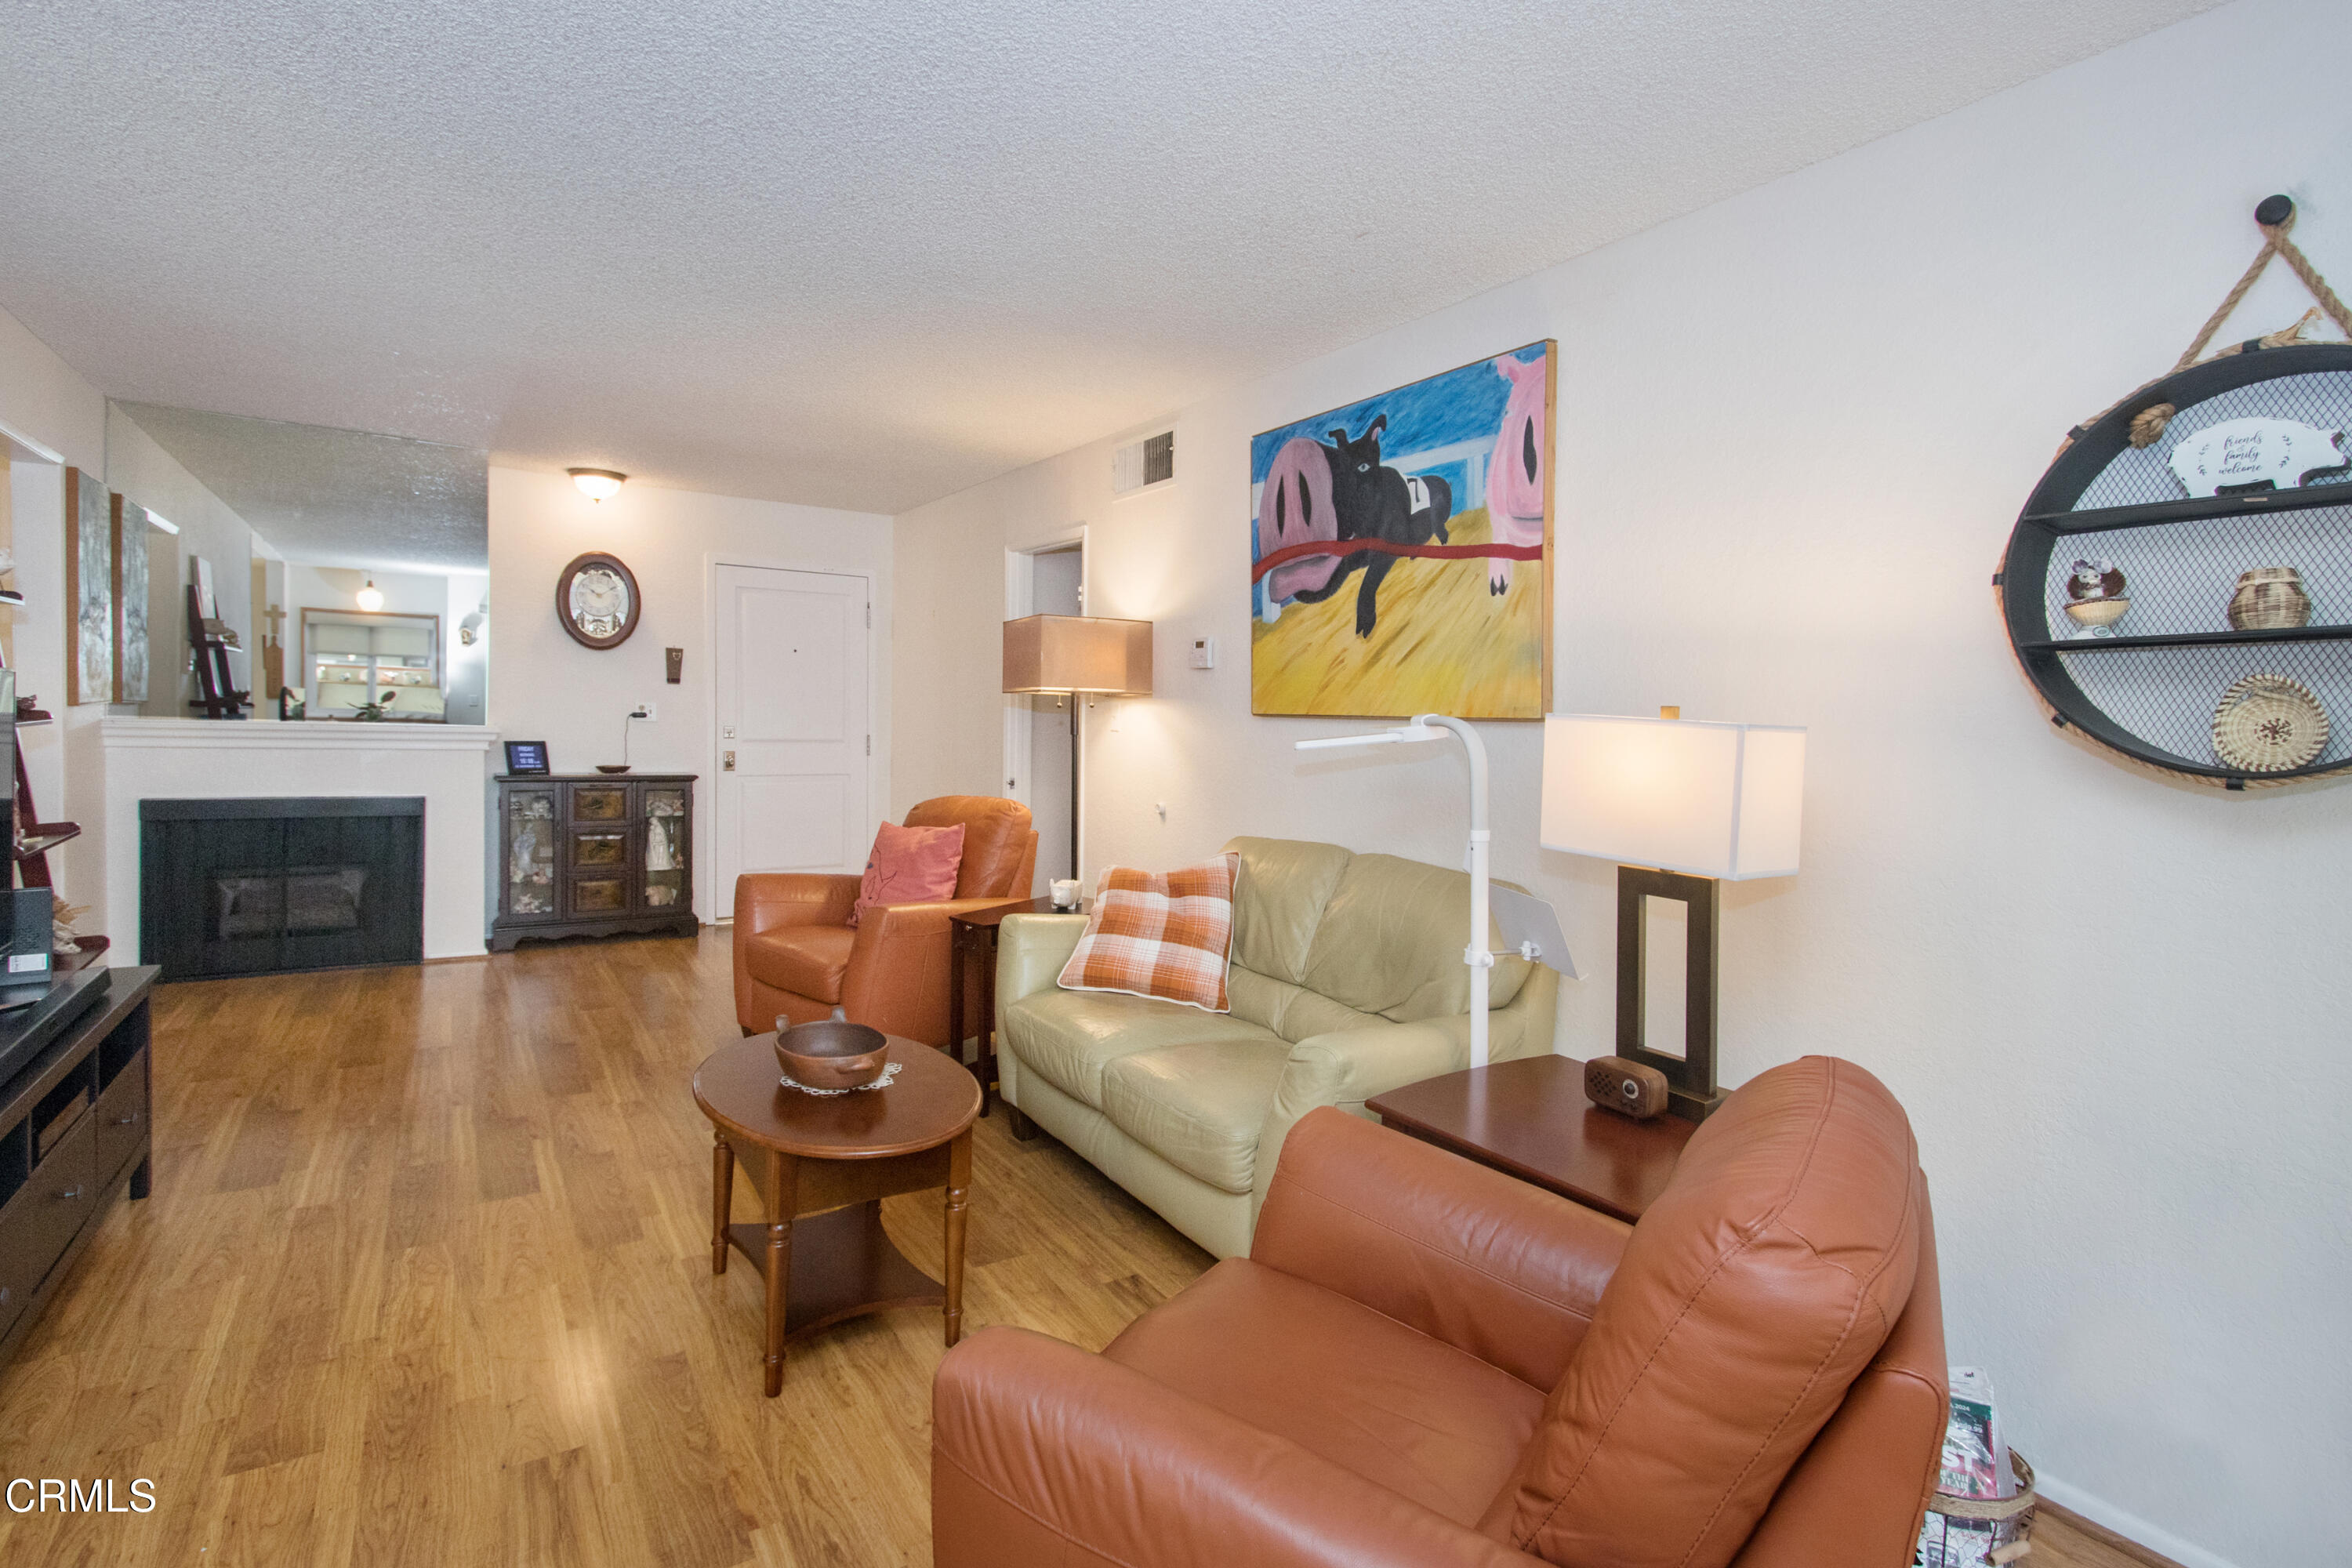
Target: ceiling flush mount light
<point x="371" y="597"/>
<point x="598" y="484"/>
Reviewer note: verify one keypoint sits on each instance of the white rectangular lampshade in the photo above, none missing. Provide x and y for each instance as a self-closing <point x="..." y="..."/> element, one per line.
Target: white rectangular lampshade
<point x="1707" y="800"/>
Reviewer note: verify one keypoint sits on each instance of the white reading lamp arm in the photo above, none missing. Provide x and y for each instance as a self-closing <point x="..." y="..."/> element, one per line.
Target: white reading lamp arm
<point x="1476" y="954"/>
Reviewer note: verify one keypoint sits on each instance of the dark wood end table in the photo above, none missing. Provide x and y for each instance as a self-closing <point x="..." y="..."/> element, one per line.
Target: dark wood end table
<point x="1529" y="1119"/>
<point x="823" y="1164"/>
<point x="973" y="934"/>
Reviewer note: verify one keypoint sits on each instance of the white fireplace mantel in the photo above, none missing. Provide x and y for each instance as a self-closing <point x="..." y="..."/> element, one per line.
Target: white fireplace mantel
<point x="213" y="759"/>
<point x="339" y="735"/>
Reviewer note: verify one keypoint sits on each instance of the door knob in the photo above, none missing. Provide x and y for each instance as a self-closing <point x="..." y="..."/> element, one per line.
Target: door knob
<point x="129" y="1120"/>
<point x="729" y="765"/>
<point x="69" y="1195"/>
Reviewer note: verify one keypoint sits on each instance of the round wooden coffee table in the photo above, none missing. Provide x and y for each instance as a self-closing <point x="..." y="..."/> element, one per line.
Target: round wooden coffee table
<point x="823" y="1164"/>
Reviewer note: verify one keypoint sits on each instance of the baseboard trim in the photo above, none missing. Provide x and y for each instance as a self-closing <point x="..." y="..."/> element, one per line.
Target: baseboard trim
<point x="2119" y="1531"/>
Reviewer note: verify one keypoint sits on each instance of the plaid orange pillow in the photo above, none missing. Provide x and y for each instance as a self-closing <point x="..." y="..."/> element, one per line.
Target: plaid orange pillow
<point x="1168" y="936"/>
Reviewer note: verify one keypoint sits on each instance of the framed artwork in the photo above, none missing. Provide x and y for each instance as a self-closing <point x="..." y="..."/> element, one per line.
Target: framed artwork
<point x="1401" y="548"/>
<point x="89" y="589"/>
<point x="129" y="540"/>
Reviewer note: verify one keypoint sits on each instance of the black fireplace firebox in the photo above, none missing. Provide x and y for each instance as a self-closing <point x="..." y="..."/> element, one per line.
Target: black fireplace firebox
<point x="270" y="885"/>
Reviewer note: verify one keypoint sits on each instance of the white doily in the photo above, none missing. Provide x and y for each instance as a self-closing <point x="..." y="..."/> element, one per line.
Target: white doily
<point x="889" y="1072"/>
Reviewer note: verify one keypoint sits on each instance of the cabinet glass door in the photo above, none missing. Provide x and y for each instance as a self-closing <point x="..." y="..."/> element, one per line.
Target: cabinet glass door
<point x="666" y="848"/>
<point x="530" y="852"/>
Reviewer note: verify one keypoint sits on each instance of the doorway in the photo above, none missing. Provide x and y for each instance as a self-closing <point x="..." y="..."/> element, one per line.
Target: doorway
<point x="1039" y="753"/>
<point x="794" y="743"/>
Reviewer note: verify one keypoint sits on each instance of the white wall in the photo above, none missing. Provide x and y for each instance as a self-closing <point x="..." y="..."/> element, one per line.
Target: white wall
<point x="544" y="686"/>
<point x="1769" y="411"/>
<point x="43" y="401"/>
<point x="45" y="404"/>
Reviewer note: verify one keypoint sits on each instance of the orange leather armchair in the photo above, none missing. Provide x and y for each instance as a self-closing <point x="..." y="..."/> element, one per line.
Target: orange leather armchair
<point x="1424" y="1361"/>
<point x="797" y="956"/>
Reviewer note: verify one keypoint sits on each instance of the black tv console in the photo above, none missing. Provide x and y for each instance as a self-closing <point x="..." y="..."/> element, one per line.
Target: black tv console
<point x="75" y="1131"/>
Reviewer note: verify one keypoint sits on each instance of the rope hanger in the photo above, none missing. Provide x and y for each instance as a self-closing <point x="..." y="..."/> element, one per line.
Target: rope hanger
<point x="2275" y="217"/>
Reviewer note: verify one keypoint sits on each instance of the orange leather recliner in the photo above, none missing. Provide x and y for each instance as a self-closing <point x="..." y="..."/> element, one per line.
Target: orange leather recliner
<point x="797" y="956"/>
<point x="1424" y="1361"/>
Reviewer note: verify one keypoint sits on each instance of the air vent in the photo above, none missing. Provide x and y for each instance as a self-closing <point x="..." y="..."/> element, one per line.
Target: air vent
<point x="1140" y="465"/>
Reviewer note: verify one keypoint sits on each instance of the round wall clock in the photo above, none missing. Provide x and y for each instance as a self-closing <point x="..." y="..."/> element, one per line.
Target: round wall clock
<point x="596" y="600"/>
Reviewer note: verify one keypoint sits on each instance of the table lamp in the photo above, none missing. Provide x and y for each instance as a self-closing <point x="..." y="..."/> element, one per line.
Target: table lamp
<point x="1073" y="656"/>
<point x="1683" y="806"/>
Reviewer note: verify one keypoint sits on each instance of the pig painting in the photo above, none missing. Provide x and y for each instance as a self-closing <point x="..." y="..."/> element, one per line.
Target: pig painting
<point x="2240" y="453"/>
<point x="1295" y="507"/>
<point x="1515" y="480"/>
<point x="1384" y="537"/>
<point x="1371" y="501"/>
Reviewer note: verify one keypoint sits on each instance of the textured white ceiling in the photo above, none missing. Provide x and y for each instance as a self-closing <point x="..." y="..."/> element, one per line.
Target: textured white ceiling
<point x="867" y="256"/>
<point x="337" y="498"/>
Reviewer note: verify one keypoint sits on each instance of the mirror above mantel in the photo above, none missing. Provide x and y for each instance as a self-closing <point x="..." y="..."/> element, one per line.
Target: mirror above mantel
<point x="317" y="538"/>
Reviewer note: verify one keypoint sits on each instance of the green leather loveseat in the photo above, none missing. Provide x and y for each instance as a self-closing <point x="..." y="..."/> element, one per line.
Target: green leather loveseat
<point x="1347" y="981"/>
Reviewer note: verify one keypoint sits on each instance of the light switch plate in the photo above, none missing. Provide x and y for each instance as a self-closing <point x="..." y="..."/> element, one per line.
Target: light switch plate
<point x="1205" y="653"/>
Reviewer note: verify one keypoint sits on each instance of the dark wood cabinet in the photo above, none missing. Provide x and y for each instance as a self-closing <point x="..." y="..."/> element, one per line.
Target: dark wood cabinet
<point x="74" y="1136"/>
<point x="591" y="854"/>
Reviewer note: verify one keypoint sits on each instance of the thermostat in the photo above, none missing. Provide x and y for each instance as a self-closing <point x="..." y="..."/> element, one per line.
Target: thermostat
<point x="1205" y="653"/>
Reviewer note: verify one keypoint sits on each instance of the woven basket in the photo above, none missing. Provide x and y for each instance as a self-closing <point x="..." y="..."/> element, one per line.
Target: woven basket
<point x="2017" y="1511"/>
<point x="2269" y="599"/>
<point x="2269" y="724"/>
<point x="2019" y="1508"/>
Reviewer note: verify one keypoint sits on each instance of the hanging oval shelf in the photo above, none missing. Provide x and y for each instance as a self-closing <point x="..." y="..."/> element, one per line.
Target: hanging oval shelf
<point x="2150" y="590"/>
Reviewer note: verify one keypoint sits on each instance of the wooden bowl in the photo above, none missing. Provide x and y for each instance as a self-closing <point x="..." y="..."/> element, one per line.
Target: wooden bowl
<point x="612" y="767"/>
<point x="831" y="1054"/>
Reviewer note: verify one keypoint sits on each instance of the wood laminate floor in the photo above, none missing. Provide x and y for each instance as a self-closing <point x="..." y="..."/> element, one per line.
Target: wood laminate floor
<point x="426" y="1280"/>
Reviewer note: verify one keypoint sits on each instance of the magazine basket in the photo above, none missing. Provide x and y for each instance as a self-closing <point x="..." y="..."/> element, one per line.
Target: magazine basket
<point x="2019" y="1508"/>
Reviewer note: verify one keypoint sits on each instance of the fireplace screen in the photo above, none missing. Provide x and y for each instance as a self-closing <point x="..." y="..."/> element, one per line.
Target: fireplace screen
<point x="300" y="899"/>
<point x="273" y="885"/>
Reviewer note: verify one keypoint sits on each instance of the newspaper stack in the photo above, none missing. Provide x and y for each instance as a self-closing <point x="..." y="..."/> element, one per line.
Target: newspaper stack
<point x="1975" y="1465"/>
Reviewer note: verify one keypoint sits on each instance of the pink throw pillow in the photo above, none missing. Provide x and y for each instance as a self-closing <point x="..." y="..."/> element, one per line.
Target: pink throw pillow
<point x="910" y="866"/>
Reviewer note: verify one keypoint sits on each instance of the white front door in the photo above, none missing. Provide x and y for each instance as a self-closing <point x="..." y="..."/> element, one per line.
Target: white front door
<point x="794" y="739"/>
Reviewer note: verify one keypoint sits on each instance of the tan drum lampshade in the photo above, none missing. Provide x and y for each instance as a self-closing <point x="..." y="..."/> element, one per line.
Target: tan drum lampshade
<point x="1077" y="653"/>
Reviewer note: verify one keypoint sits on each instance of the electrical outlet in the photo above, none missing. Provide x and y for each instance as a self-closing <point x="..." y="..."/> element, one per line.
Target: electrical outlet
<point x="645" y="711"/>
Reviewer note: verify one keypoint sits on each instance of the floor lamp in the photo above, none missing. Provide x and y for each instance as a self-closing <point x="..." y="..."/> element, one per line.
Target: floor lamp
<point x="1683" y="806"/>
<point x="1529" y="925"/>
<point x="1074" y="657"/>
